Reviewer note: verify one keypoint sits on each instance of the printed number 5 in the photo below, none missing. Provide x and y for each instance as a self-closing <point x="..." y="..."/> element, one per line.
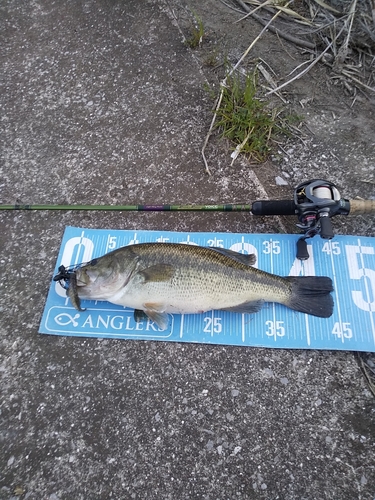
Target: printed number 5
<point x="112" y="242"/>
<point x="357" y="271"/>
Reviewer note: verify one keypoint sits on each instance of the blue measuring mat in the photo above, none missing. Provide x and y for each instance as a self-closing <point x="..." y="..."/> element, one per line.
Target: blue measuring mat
<point x="348" y="260"/>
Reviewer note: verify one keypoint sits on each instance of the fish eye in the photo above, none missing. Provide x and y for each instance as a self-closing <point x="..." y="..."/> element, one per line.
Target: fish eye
<point x="93" y="262"/>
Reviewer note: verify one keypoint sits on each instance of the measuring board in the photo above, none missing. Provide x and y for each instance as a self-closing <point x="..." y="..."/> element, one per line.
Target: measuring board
<point x="348" y="260"/>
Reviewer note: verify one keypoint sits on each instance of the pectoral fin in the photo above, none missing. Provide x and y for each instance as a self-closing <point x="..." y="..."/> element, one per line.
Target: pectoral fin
<point x="161" y="319"/>
<point x="247" y="307"/>
<point x="159" y="272"/>
<point x="155" y="312"/>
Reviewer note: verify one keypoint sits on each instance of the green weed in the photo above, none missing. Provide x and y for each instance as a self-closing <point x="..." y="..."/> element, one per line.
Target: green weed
<point x="197" y="33"/>
<point x="247" y="121"/>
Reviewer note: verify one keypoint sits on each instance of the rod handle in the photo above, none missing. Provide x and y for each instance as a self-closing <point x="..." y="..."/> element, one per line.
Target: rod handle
<point x="274" y="207"/>
<point x="359" y="207"/>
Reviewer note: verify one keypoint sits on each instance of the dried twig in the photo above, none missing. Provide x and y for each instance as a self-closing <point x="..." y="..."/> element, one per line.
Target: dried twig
<point x="343" y="51"/>
<point x="353" y="19"/>
<point x="240" y="147"/>
<point x="327" y="7"/>
<point x="358" y="82"/>
<point x="366" y="370"/>
<point x="306" y="70"/>
<point x="270" y="6"/>
<point x="282" y="34"/>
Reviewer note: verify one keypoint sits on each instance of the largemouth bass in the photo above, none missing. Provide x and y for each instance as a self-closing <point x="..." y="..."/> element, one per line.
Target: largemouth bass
<point x="161" y="278"/>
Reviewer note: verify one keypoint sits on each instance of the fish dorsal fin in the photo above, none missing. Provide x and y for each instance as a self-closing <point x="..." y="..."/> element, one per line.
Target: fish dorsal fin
<point x="247" y="307"/>
<point x="158" y="272"/>
<point x="248" y="260"/>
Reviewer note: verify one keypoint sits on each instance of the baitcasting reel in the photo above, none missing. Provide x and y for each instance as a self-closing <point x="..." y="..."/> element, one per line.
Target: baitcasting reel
<point x="314" y="203"/>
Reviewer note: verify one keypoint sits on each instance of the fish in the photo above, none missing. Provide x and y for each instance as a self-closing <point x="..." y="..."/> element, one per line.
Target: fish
<point x="158" y="279"/>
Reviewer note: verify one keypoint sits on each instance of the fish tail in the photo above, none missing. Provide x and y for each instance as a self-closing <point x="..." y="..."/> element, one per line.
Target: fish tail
<point x="311" y="295"/>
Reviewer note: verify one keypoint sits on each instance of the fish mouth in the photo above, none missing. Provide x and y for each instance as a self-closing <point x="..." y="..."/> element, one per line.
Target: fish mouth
<point x="79" y="281"/>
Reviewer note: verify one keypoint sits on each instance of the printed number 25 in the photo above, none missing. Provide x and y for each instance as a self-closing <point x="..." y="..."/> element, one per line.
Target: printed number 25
<point x="212" y="325"/>
<point x="357" y="271"/>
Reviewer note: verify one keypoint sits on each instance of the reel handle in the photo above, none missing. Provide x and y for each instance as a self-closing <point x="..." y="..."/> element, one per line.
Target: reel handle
<point x="326" y="228"/>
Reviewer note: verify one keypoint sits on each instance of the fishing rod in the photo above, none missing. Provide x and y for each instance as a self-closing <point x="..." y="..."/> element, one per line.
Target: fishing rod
<point x="308" y="197"/>
<point x="229" y="207"/>
<point x="314" y="202"/>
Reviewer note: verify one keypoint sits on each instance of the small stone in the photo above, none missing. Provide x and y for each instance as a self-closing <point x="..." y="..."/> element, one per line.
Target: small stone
<point x="268" y="372"/>
<point x="280" y="181"/>
<point x="363" y="480"/>
<point x="210" y="444"/>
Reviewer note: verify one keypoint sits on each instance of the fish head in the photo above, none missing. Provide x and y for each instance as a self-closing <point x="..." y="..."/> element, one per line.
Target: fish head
<point x="101" y="278"/>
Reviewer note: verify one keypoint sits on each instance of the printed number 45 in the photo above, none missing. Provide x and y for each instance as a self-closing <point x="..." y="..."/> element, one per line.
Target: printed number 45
<point x="342" y="330"/>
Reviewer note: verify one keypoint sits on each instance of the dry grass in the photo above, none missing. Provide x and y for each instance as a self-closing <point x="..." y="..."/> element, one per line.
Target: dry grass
<point x="340" y="33"/>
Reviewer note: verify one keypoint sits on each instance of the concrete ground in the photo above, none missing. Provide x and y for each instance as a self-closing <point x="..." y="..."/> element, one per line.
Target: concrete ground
<point x="102" y="102"/>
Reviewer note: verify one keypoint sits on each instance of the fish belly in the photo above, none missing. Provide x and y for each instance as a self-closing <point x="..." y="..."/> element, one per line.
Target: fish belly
<point x="187" y="296"/>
